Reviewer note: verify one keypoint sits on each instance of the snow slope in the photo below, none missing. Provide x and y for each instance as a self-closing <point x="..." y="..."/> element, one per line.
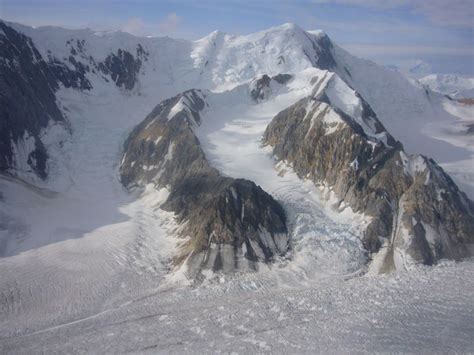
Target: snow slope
<point x="87" y="243"/>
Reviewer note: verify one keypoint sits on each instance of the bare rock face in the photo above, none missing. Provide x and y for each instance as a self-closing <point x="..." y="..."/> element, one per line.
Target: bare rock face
<point x="230" y="224"/>
<point x="123" y="67"/>
<point x="323" y="47"/>
<point x="261" y="88"/>
<point x="27" y="101"/>
<point x="470" y="129"/>
<point x="418" y="214"/>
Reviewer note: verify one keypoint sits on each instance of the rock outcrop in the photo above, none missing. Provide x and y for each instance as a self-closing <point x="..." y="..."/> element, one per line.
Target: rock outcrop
<point x="323" y="47"/>
<point x="417" y="213"/>
<point x="229" y="224"/>
<point x="261" y="88"/>
<point x="27" y="103"/>
<point x="123" y="67"/>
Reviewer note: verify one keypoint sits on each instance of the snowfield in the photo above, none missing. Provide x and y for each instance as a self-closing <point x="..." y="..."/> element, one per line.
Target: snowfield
<point x="84" y="263"/>
<point x="429" y="310"/>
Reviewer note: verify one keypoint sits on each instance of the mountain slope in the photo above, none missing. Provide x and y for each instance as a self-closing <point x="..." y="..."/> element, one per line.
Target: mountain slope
<point x="145" y="70"/>
<point x="228" y="224"/>
<point x="86" y="259"/>
<point x="416" y="213"/>
<point x="162" y="67"/>
<point x="334" y="138"/>
<point x="27" y="103"/>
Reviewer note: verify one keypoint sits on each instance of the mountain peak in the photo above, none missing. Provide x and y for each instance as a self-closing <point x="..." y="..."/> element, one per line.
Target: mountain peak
<point x="318" y="33"/>
<point x="286" y="27"/>
<point x="212" y="37"/>
<point x="290" y="26"/>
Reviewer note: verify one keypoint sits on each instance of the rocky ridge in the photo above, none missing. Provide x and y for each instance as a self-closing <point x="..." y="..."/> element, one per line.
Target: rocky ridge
<point x="27" y="103"/>
<point x="261" y="88"/>
<point x="227" y="224"/>
<point x="417" y="213"/>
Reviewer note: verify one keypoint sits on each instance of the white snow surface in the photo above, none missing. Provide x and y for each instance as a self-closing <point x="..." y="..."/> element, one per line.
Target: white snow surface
<point x="345" y="98"/>
<point x="85" y="264"/>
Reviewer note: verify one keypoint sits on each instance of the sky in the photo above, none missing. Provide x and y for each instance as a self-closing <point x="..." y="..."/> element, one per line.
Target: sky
<point x="390" y="32"/>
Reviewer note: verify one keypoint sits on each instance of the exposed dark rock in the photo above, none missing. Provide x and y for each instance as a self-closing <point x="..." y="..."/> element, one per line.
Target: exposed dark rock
<point x="261" y="87"/>
<point x="232" y="223"/>
<point x="123" y="67"/>
<point x="348" y="72"/>
<point x="282" y="79"/>
<point x="70" y="78"/>
<point x="415" y="208"/>
<point x="142" y="53"/>
<point x="323" y="48"/>
<point x="168" y="148"/>
<point x="229" y="223"/>
<point x="27" y="99"/>
<point x="467" y="101"/>
<point x="470" y="129"/>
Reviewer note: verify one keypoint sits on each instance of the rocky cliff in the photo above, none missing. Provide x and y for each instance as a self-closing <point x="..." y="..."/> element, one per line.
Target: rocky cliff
<point x="261" y="88"/>
<point x="228" y="224"/>
<point x="27" y="103"/>
<point x="417" y="213"/>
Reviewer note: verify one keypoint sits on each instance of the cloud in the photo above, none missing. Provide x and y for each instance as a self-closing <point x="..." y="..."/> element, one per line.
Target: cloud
<point x="170" y="24"/>
<point x="137" y="26"/>
<point x="441" y="12"/>
<point x="453" y="12"/>
<point x="365" y="3"/>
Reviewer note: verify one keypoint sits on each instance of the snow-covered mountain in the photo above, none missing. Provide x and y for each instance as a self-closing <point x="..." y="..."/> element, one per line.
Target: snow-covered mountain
<point x="150" y="162"/>
<point x="420" y="69"/>
<point x="276" y="63"/>
<point x="220" y="61"/>
<point x="456" y="86"/>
